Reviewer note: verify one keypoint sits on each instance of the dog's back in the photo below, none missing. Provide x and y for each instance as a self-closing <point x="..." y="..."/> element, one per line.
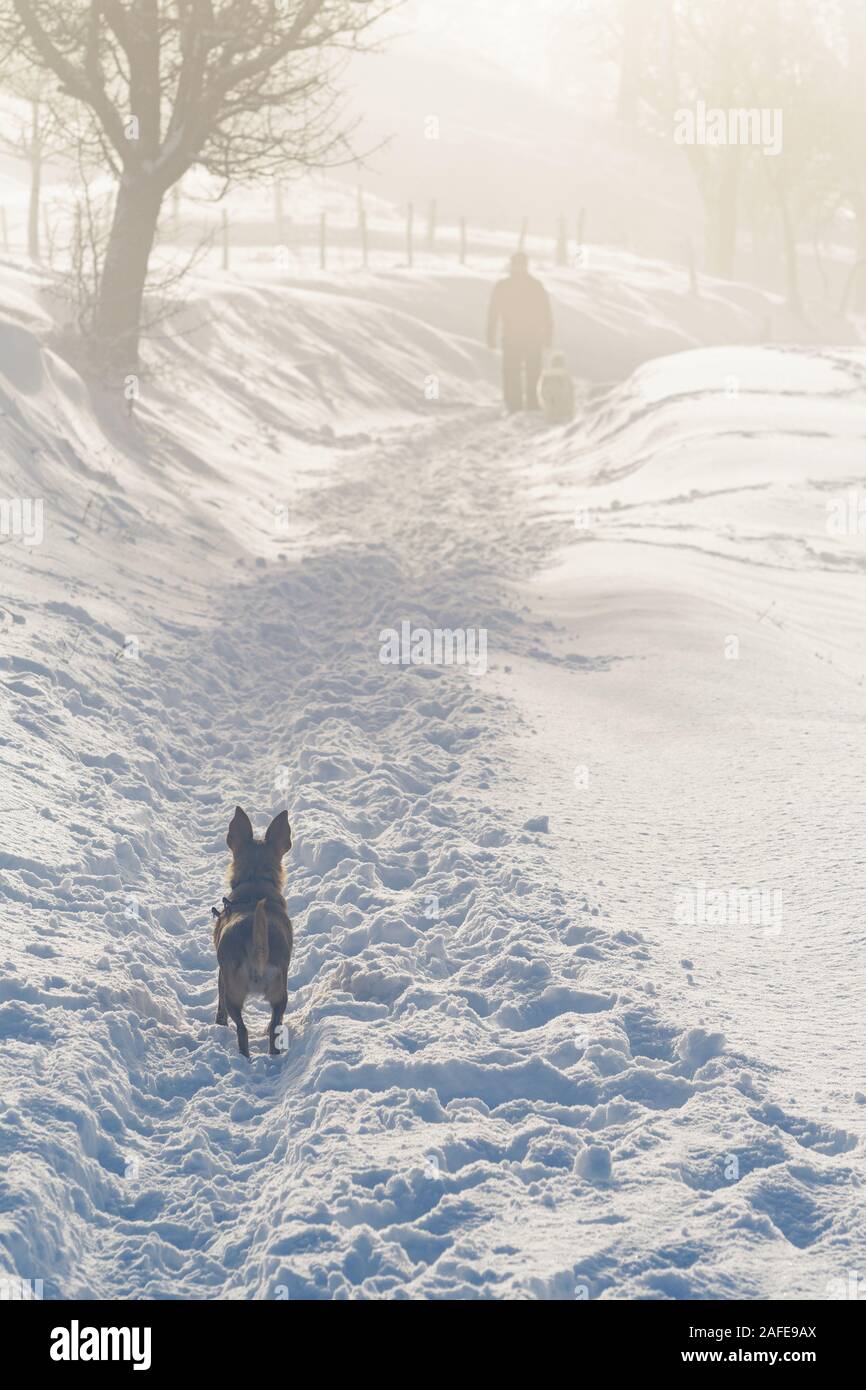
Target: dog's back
<point x="254" y="948"/>
<point x="253" y="933"/>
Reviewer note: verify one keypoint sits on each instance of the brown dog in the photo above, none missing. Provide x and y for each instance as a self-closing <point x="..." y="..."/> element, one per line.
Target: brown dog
<point x="253" y="934"/>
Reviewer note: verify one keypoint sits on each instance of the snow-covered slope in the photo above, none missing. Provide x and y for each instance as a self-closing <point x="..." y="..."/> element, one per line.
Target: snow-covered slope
<point x="496" y="1085"/>
<point x="713" y="536"/>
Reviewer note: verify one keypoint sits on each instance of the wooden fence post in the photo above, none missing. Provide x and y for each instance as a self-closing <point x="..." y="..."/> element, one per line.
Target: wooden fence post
<point x="690" y="260"/>
<point x="47" y="237"/>
<point x="365" y="244"/>
<point x="857" y="268"/>
<point x="225" y="238"/>
<point x="362" y="225"/>
<point x="562" y="243"/>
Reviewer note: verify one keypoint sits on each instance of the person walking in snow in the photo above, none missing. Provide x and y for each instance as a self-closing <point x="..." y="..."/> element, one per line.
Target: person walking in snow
<point x="521" y="305"/>
<point x="557" y="391"/>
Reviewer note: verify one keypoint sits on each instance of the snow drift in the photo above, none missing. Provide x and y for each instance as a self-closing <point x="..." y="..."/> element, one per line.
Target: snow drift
<point x="493" y="1089"/>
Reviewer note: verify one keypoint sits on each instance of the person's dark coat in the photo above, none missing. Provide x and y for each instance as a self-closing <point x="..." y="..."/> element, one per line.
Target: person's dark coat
<point x="521" y="304"/>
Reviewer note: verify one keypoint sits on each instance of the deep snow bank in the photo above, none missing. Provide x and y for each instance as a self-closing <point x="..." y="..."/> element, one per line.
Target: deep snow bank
<point x="491" y="1088"/>
<point x="708" y="526"/>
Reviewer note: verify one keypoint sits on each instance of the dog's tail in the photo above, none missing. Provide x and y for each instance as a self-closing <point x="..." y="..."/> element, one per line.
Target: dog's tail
<point x="260" y="938"/>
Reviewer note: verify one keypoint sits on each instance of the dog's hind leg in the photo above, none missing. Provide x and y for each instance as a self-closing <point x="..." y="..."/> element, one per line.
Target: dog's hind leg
<point x="277" y="1011"/>
<point x="221" y="1015"/>
<point x="237" y="1019"/>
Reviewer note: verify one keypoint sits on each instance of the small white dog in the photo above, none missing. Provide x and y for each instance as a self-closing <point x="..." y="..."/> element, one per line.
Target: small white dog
<point x="557" y="391"/>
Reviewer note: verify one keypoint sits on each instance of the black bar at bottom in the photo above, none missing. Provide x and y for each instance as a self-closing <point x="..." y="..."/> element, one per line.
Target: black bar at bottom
<point x="141" y="1338"/>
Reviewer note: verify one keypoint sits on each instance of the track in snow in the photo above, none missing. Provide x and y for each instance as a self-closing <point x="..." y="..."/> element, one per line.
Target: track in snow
<point x="473" y="1042"/>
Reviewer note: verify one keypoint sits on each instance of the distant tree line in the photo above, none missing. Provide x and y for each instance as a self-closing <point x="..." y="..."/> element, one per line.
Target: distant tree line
<point x="803" y="58"/>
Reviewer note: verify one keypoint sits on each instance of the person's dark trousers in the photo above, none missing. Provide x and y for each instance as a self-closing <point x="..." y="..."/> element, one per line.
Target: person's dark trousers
<point x="521" y="369"/>
<point x="532" y="368"/>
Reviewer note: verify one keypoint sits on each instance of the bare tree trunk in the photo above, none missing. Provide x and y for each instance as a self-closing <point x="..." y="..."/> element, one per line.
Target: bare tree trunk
<point x="279" y="210"/>
<point x="723" y="241"/>
<point x="116" y="326"/>
<point x="789" y="237"/>
<point x="35" y="183"/>
<point x="860" y="281"/>
<point x="633" y="15"/>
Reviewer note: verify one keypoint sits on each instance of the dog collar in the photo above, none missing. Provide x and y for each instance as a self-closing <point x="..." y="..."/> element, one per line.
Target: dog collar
<point x="249" y="892"/>
<point x="252" y="887"/>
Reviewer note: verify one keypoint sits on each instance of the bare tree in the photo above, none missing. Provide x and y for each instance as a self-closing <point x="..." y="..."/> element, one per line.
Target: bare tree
<point x="242" y="88"/>
<point x="638" y="19"/>
<point x="39" y="126"/>
<point x="703" y="55"/>
<point x="741" y="60"/>
<point x="843" y="123"/>
<point x="32" y="136"/>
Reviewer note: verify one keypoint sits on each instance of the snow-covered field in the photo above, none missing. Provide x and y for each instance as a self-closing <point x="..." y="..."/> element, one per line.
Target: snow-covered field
<point x="532" y="1053"/>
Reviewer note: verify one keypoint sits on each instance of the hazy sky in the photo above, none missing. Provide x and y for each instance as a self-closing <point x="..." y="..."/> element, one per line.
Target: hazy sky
<point x="513" y="33"/>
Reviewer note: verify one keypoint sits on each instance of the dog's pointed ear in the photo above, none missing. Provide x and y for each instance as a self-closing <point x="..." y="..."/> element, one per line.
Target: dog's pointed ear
<point x="279" y="834"/>
<point x="240" y="830"/>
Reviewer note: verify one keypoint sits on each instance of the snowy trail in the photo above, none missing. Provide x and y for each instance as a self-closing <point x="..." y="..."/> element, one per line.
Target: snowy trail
<point x="483" y="1095"/>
